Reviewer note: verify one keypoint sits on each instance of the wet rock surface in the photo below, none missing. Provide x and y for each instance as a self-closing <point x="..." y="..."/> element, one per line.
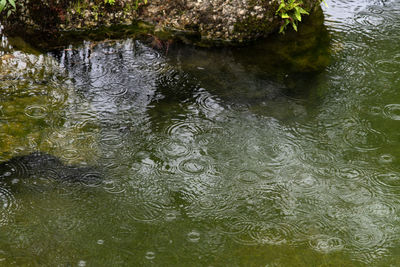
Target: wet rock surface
<point x="210" y="21"/>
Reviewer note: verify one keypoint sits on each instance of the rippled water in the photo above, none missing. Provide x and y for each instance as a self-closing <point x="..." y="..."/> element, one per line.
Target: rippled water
<point x="219" y="157"/>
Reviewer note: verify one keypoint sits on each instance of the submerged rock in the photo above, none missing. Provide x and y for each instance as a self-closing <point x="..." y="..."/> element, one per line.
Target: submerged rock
<point x="45" y="166"/>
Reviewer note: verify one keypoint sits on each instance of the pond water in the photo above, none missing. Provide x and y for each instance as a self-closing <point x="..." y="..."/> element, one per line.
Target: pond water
<point x="209" y="157"/>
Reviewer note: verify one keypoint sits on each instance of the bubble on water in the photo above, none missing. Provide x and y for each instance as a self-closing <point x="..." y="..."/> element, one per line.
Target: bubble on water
<point x="386" y="158"/>
<point x="248" y="177"/>
<point x="171" y="215"/>
<point x="184" y="131"/>
<point x="112" y="139"/>
<point x="6" y="174"/>
<point x="392" y="111"/>
<point x="174" y="149"/>
<point x="307" y="184"/>
<point x="146" y="211"/>
<point x="387" y="66"/>
<point x="273" y="234"/>
<point x="375" y="110"/>
<point x="326" y="243"/>
<point x="380" y="209"/>
<point x="82" y="263"/>
<point x="36" y="112"/>
<point x="352" y="193"/>
<point x="150" y="255"/>
<point x="364" y="238"/>
<point x="363" y="138"/>
<point x="115" y="89"/>
<point x="194" y="236"/>
<point x="193" y="166"/>
<point x="100" y="241"/>
<point x="391" y="179"/>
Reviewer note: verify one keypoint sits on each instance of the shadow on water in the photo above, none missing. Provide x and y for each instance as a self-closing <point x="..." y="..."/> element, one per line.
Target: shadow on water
<point x="39" y="166"/>
<point x="291" y="60"/>
<point x="267" y="77"/>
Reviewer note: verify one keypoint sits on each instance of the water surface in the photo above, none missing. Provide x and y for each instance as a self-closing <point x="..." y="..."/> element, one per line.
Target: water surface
<point x="218" y="157"/>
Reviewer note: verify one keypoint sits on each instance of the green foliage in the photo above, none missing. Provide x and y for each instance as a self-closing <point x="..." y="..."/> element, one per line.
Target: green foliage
<point x="10" y="6"/>
<point x="137" y="2"/>
<point x="323" y="1"/>
<point x="112" y="2"/>
<point x="291" y="12"/>
<point x="7" y="4"/>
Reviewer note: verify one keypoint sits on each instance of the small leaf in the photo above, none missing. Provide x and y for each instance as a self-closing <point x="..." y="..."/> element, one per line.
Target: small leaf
<point x="302" y="11"/>
<point x="323" y="1"/>
<point x="2" y="4"/>
<point x="286" y="23"/>
<point x="297" y="14"/>
<point x="12" y="2"/>
<point x="294" y="26"/>
<point x="285" y="16"/>
<point x="282" y="5"/>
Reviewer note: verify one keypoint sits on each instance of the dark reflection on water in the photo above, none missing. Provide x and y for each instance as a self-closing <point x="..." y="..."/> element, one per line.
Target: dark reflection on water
<point x="241" y="156"/>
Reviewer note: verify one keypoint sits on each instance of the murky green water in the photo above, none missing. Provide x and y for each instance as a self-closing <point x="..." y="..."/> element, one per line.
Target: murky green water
<point x="222" y="157"/>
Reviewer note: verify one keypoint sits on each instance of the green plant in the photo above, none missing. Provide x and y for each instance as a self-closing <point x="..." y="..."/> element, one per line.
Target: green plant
<point x="137" y="3"/>
<point x="323" y="1"/>
<point x="290" y="11"/>
<point x="112" y="2"/>
<point x="5" y="4"/>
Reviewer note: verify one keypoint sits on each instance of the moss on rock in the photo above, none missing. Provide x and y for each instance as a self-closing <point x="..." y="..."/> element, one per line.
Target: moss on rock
<point x="207" y="22"/>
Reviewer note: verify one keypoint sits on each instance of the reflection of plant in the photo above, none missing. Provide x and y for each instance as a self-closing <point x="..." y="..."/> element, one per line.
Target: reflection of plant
<point x="5" y="4"/>
<point x="290" y="11"/>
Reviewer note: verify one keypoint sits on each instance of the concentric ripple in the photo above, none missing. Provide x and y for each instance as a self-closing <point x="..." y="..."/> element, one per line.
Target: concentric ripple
<point x="36" y="112"/>
<point x="392" y="111"/>
<point x="307" y="184"/>
<point x="387" y="66"/>
<point x="202" y="153"/>
<point x="353" y="193"/>
<point x="184" y="130"/>
<point x="363" y="139"/>
<point x="390" y="179"/>
<point x="248" y="177"/>
<point x="115" y="89"/>
<point x="272" y="234"/>
<point x="174" y="148"/>
<point x="91" y="179"/>
<point x="368" y="19"/>
<point x="372" y="237"/>
<point x="15" y="169"/>
<point x="194" y="166"/>
<point x="8" y="204"/>
<point x="146" y="211"/>
<point x="326" y="244"/>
